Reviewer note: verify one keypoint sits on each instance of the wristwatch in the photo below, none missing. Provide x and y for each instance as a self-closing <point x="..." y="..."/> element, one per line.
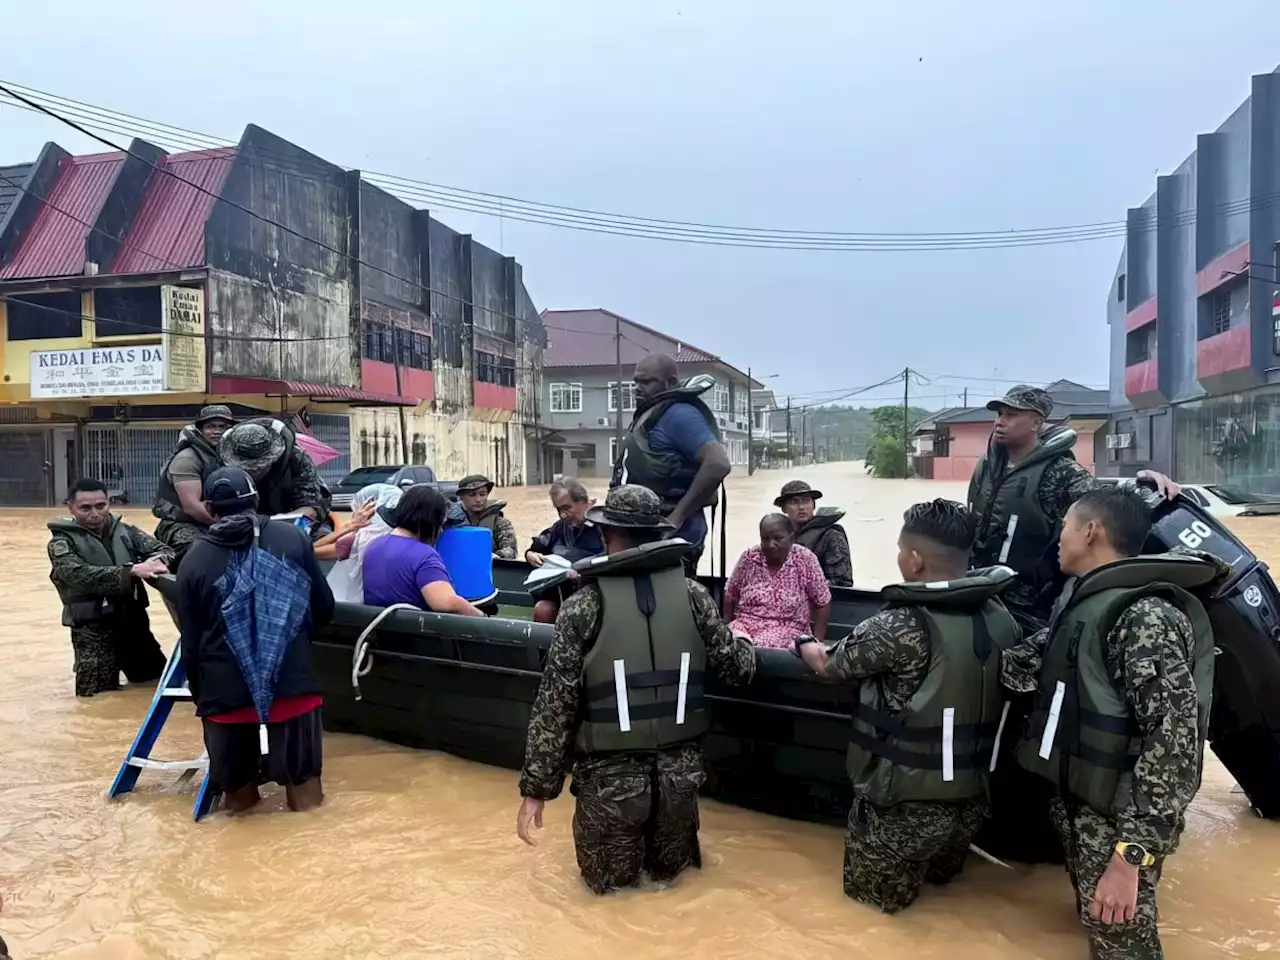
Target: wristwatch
<point x="802" y="640"/>
<point x="1135" y="854"/>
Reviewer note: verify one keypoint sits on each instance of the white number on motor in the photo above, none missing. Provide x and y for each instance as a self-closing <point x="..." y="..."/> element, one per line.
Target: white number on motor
<point x="1195" y="534"/>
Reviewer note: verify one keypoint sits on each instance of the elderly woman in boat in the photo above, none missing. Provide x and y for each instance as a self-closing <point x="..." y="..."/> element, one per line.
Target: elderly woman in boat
<point x="404" y="567"/>
<point x="372" y="516"/>
<point x="777" y="592"/>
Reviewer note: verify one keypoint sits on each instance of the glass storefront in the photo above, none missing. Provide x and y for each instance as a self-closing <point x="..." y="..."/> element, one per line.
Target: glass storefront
<point x="1232" y="440"/>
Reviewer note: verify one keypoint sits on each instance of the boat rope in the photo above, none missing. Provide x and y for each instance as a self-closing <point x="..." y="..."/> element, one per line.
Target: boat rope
<point x="361" y="657"/>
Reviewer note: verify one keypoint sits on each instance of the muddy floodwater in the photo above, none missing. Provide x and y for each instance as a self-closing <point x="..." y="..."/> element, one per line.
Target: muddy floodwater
<point x="414" y="854"/>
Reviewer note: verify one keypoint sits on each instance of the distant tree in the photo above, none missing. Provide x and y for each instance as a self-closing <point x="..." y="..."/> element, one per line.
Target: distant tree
<point x="887" y="452"/>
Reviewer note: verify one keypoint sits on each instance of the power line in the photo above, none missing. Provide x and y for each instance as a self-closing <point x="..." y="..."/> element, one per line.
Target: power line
<point x="514" y="208"/>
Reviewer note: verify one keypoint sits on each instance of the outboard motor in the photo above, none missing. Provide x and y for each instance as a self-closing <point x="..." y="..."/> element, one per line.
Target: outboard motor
<point x="1244" y="722"/>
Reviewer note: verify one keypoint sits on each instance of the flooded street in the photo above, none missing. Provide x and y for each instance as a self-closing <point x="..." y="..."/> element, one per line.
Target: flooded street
<point x="414" y="854"/>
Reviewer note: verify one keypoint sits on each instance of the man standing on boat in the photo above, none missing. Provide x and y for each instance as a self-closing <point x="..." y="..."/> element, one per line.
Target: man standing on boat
<point x="474" y="509"/>
<point x="1123" y="679"/>
<point x="930" y="714"/>
<point x="621" y="701"/>
<point x="99" y="563"/>
<point x="674" y="448"/>
<point x="287" y="482"/>
<point x="818" y="530"/>
<point x="180" y="495"/>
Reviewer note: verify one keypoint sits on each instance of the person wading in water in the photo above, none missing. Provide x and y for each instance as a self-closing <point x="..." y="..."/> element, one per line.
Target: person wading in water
<point x="673" y="447"/>
<point x="179" y="496"/>
<point x="622" y="694"/>
<point x="930" y="712"/>
<point x="99" y="565"/>
<point x="1021" y="491"/>
<point x="820" y="532"/>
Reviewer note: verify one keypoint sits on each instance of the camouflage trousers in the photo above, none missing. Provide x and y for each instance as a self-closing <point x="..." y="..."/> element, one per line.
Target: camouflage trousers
<point x="119" y="642"/>
<point x="178" y="536"/>
<point x="636" y="814"/>
<point x="1088" y="840"/>
<point x="889" y="853"/>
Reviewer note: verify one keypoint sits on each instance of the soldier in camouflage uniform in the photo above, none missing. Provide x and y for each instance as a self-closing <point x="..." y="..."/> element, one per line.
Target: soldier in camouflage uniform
<point x="630" y="732"/>
<point x="1122" y="680"/>
<point x="180" y="493"/>
<point x="930" y="712"/>
<point x="474" y="509"/>
<point x="99" y="563"/>
<point x="820" y="531"/>
<point x="286" y="479"/>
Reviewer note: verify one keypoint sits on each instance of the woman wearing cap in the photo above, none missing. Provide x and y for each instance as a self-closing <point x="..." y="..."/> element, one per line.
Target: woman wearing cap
<point x="404" y="567"/>
<point x="777" y="592"/>
<point x="179" y="502"/>
<point x="473" y="509"/>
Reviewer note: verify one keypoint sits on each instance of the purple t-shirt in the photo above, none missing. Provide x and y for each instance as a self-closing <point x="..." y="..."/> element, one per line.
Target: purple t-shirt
<point x="397" y="568"/>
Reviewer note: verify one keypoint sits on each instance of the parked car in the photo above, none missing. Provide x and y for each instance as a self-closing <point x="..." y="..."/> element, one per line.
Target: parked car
<point x="400" y="474"/>
<point x="1223" y="501"/>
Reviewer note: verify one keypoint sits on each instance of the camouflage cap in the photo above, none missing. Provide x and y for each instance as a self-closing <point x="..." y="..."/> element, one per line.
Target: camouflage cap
<point x="252" y="446"/>
<point x="1023" y="397"/>
<point x="796" y="488"/>
<point x="215" y="411"/>
<point x="630" y="505"/>
<point x="475" y="481"/>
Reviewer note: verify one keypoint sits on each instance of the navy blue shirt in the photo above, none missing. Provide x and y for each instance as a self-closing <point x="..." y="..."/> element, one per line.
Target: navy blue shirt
<point x="683" y="430"/>
<point x="583" y="541"/>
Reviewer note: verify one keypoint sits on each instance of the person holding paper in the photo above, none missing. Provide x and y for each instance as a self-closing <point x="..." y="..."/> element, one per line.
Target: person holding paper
<point x="572" y="537"/>
<point x="929" y="722"/>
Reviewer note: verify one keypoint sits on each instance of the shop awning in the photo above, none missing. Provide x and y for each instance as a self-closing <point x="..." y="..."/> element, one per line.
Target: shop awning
<point x="297" y="388"/>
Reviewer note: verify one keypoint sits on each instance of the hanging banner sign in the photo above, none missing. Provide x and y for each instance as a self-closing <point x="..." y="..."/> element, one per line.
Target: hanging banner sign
<point x="182" y="318"/>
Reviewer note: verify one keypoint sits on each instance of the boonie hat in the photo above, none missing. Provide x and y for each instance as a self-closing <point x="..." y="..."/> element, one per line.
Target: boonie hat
<point x="796" y="488"/>
<point x="215" y="411"/>
<point x="475" y="481"/>
<point x="632" y="506"/>
<point x="253" y="445"/>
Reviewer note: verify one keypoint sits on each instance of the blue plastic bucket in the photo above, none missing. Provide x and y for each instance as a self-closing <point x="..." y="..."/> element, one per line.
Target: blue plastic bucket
<point x="467" y="553"/>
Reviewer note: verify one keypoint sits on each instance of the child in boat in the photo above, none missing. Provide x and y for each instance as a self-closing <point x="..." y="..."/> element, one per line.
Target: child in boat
<point x="777" y="591"/>
<point x="573" y="537"/>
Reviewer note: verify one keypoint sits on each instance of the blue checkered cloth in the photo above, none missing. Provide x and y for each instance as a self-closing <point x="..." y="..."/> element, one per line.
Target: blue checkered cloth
<point x="265" y="602"/>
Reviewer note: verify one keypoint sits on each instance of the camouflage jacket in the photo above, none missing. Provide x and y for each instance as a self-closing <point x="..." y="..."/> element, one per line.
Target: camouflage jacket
<point x="1063" y="483"/>
<point x="835" y="557"/>
<point x="554" y="721"/>
<point x="504" y="539"/>
<point x="892" y="648"/>
<point x="70" y="571"/>
<point x="1149" y="657"/>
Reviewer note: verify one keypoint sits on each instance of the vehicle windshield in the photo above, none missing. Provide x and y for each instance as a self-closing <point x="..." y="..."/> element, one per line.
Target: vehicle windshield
<point x="367" y="475"/>
<point x="1234" y="496"/>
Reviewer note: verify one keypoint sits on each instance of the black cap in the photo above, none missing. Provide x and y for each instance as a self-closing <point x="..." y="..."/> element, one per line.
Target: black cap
<point x="230" y="490"/>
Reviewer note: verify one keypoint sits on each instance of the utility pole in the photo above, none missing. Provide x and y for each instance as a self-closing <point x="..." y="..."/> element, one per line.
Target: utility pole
<point x="803" y="444"/>
<point x="751" y="422"/>
<point x="790" y="453"/>
<point x="617" y="356"/>
<point x="906" y="402"/>
<point x="965" y="401"/>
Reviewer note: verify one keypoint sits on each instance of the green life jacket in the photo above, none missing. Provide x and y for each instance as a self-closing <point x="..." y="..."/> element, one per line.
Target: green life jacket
<point x="112" y="549"/>
<point x="642" y="680"/>
<point x="1081" y="734"/>
<point x="946" y="741"/>
<point x="488" y="516"/>
<point x="667" y="474"/>
<point x="1012" y="526"/>
<point x="168" y="506"/>
<point x="817" y="529"/>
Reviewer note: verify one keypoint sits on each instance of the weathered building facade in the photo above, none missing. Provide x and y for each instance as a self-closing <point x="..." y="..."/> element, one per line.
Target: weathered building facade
<point x="581" y="405"/>
<point x="136" y="286"/>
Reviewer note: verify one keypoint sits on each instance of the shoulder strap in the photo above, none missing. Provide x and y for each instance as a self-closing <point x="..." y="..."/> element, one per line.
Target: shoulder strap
<point x="647" y="557"/>
<point x="971" y="590"/>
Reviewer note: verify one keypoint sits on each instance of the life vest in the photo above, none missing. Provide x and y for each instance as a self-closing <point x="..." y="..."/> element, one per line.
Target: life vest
<point x="642" y="679"/>
<point x="668" y="474"/>
<point x="1081" y="734"/>
<point x="112" y="549"/>
<point x="945" y="742"/>
<point x="1013" y="528"/>
<point x="488" y="516"/>
<point x="817" y="529"/>
<point x="168" y="506"/>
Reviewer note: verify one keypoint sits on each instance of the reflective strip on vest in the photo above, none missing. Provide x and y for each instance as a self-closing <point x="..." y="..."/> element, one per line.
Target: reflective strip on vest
<point x="948" y="738"/>
<point x="995" y="747"/>
<point x="1008" y="539"/>
<point x="1051" y="725"/>
<point x="620" y="691"/>
<point x="683" y="693"/>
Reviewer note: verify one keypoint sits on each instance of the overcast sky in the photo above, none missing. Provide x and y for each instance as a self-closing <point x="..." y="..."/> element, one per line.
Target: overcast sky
<point x="943" y="115"/>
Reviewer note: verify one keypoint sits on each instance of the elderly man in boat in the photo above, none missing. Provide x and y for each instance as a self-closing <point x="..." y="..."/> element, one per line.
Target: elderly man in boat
<point x="621" y="701"/>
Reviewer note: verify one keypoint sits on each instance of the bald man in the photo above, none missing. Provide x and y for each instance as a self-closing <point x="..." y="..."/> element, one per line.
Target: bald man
<point x="674" y="448"/>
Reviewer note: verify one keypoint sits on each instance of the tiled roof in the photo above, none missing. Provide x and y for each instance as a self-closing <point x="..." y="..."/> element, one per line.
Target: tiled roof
<point x="168" y="231"/>
<point x="54" y="245"/>
<point x="11" y="180"/>
<point x="586" y="338"/>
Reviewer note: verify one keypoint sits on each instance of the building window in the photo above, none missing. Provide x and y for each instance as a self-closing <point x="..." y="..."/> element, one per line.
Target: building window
<point x="1220" y="311"/>
<point x="37" y="316"/>
<point x="628" y="396"/>
<point x="377" y="343"/>
<point x="491" y="368"/>
<point x="720" y="397"/>
<point x="740" y="404"/>
<point x="127" y="311"/>
<point x="415" y="349"/>
<point x="1120" y="288"/>
<point x="566" y="398"/>
<point x="1275" y="334"/>
<point x="1140" y="345"/>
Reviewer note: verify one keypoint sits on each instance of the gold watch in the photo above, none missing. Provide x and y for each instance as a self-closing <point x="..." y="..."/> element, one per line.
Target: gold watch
<point x="1135" y="854"/>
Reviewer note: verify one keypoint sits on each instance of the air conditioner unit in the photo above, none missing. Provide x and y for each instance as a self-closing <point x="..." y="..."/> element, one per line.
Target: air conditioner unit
<point x="604" y="422"/>
<point x="1119" y="441"/>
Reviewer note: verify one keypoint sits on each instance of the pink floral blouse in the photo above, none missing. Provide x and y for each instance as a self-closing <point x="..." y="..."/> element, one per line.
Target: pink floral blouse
<point x="774" y="608"/>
